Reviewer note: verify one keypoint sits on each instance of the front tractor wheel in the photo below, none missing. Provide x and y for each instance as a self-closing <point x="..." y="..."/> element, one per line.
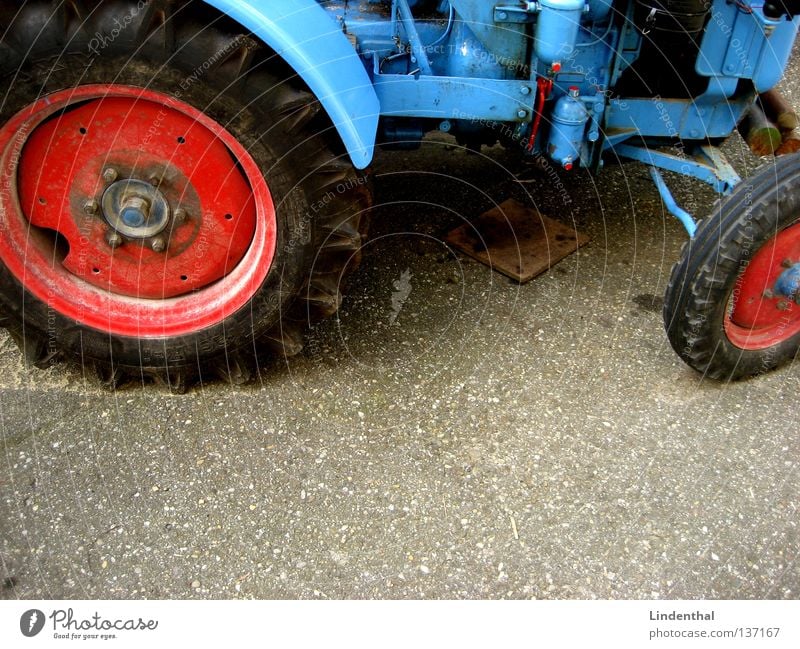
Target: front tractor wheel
<point x="156" y="223"/>
<point x="732" y="308"/>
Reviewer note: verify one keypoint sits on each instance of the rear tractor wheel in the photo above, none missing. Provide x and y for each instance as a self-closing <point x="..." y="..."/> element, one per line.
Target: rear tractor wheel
<point x="170" y="203"/>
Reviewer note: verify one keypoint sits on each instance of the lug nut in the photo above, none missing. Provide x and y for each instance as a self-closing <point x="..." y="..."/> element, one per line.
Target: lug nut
<point x="787" y="263"/>
<point x="768" y="294"/>
<point x="783" y="305"/>
<point x="158" y="244"/>
<point x="180" y="215"/>
<point x="114" y="239"/>
<point x="110" y="175"/>
<point x="154" y="180"/>
<point x="90" y="207"/>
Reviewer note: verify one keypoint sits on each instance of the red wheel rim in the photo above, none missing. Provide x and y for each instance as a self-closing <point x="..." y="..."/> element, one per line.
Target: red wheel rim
<point x="218" y="240"/>
<point x="757" y="318"/>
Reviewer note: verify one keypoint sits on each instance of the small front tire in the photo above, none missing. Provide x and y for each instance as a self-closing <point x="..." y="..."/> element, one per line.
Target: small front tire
<point x="729" y="310"/>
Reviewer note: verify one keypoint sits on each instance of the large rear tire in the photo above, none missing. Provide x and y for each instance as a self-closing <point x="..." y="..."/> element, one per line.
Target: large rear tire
<point x="732" y="308"/>
<point x="173" y="201"/>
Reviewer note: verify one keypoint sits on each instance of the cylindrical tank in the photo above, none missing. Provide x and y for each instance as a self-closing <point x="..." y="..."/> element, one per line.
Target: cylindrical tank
<point x="557" y="28"/>
<point x="568" y="127"/>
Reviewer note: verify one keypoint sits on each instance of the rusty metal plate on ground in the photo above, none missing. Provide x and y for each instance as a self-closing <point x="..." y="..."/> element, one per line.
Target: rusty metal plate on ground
<point x="516" y="240"/>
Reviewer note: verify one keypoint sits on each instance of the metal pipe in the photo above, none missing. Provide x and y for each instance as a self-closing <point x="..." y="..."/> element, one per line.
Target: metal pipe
<point x="417" y="48"/>
<point x="672" y="206"/>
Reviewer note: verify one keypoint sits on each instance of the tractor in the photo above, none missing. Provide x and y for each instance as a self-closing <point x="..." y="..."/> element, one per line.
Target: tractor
<point x="185" y="183"/>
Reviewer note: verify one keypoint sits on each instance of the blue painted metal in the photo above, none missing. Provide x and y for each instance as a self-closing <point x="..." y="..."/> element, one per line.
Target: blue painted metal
<point x="740" y="42"/>
<point x="599" y="10"/>
<point x="557" y="29"/>
<point x="478" y="100"/>
<point x="568" y="128"/>
<point x="706" y="163"/>
<point x="671" y="204"/>
<point x="672" y="119"/>
<point x="303" y="34"/>
<point x="467" y="57"/>
<point x="471" y="65"/>
<point x="419" y="56"/>
<point x="788" y="282"/>
<point x="507" y="42"/>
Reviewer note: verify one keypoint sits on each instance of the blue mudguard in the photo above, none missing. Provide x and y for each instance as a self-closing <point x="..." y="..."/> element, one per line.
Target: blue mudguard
<point x="302" y="33"/>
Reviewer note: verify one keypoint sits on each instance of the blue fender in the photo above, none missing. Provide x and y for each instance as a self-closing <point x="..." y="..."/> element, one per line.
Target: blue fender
<point x="302" y="33"/>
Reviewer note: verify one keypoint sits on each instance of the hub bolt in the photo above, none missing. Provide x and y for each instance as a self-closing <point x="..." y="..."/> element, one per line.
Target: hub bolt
<point x="158" y="244"/>
<point x="154" y="180"/>
<point x="768" y="294"/>
<point x="180" y="215"/>
<point x="110" y="175"/>
<point x="135" y="211"/>
<point x="783" y="305"/>
<point x="90" y="207"/>
<point x="787" y="263"/>
<point x="114" y="239"/>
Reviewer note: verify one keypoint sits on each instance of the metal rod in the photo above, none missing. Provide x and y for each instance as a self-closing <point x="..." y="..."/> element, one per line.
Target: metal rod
<point x="417" y="48"/>
<point x="672" y="206"/>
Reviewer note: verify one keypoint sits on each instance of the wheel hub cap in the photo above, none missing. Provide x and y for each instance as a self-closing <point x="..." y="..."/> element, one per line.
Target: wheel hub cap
<point x="135" y="208"/>
<point x="788" y="283"/>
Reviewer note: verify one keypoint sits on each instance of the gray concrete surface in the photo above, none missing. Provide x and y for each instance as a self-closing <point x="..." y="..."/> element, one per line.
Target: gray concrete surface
<point x="495" y="441"/>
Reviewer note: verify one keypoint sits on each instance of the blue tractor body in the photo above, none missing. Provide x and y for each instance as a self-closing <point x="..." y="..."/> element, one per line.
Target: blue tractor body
<point x="390" y="71"/>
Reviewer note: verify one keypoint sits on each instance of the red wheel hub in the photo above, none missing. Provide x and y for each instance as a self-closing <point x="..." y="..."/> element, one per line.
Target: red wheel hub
<point x="161" y="221"/>
<point x="759" y="316"/>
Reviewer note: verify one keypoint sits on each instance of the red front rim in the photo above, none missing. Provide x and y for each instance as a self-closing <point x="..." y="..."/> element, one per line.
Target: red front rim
<point x="757" y="317"/>
<point x="69" y="157"/>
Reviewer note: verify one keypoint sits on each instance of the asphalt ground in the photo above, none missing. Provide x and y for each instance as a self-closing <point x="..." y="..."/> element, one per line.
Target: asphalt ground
<point x="470" y="438"/>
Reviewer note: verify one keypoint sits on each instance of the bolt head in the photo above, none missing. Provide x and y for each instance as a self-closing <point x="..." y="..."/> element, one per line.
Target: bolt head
<point x="114" y="239"/>
<point x="768" y="294"/>
<point x="154" y="180"/>
<point x="110" y="175"/>
<point x="180" y="215"/>
<point x="158" y="244"/>
<point x="91" y="207"/>
<point x="525" y="90"/>
<point x="783" y="305"/>
<point x="787" y="263"/>
<point x="522" y="114"/>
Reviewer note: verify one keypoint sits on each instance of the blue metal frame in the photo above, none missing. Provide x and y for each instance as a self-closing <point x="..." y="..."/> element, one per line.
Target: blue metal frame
<point x="705" y="163"/>
<point x="474" y="64"/>
<point x="671" y="204"/>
